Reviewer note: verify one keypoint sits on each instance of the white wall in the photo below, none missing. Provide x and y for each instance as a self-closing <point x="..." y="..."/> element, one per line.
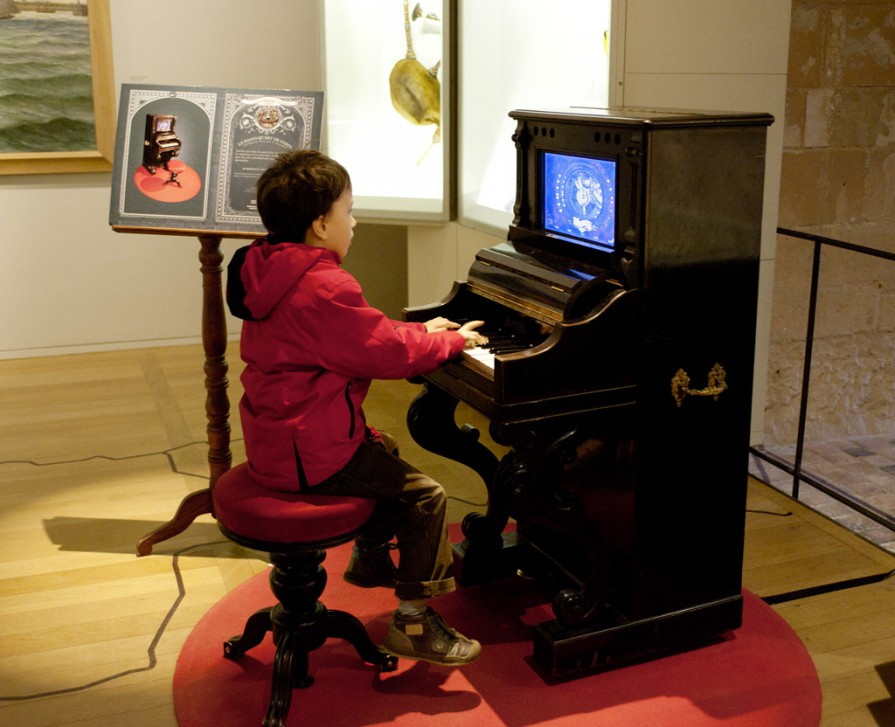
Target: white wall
<point x="67" y="282"/>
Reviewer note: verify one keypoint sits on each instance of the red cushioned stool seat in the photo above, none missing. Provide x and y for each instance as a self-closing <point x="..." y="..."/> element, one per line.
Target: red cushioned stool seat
<point x="295" y="529"/>
<point x="248" y="510"/>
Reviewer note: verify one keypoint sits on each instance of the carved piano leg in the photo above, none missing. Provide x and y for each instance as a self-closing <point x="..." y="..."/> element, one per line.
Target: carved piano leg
<point x="430" y="420"/>
<point x="217" y="403"/>
<point x="485" y="554"/>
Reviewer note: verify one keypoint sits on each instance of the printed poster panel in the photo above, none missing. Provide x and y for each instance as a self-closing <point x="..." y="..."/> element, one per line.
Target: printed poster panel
<point x="187" y="159"/>
<point x="256" y="129"/>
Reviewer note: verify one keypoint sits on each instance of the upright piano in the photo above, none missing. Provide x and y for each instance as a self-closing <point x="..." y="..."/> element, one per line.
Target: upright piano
<point x="621" y="315"/>
<point x="160" y="142"/>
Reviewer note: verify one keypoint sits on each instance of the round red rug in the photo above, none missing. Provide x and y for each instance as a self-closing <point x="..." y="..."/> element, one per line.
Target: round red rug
<point x="160" y="186"/>
<point x="761" y="675"/>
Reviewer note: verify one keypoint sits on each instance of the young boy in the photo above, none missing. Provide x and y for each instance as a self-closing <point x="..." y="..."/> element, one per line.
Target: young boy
<point x="311" y="346"/>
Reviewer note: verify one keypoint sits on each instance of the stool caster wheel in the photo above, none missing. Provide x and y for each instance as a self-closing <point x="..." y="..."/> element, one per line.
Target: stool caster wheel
<point x="228" y="652"/>
<point x="389" y="663"/>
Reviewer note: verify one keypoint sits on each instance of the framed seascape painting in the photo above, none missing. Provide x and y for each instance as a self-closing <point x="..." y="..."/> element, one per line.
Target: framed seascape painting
<point x="57" y="105"/>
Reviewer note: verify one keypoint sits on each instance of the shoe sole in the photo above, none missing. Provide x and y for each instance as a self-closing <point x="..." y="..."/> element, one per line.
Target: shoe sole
<point x="417" y="657"/>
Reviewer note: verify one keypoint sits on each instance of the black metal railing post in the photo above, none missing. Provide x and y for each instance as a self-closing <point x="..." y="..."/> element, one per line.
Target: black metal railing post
<point x="795" y="468"/>
<point x="806" y="368"/>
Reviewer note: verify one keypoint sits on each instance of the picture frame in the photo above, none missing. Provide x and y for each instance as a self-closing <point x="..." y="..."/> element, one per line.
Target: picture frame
<point x="100" y="158"/>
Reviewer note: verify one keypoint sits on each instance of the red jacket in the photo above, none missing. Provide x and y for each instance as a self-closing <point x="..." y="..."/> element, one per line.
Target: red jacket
<point x="311" y="346"/>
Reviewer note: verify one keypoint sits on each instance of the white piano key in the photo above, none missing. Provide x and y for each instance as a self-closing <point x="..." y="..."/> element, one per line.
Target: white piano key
<point x="482" y="355"/>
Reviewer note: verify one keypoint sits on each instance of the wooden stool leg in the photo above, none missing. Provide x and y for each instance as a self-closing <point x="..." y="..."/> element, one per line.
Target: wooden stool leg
<point x="288" y="650"/>
<point x="343" y="625"/>
<point x="256" y="628"/>
<point x="193" y="505"/>
<point x="300" y="624"/>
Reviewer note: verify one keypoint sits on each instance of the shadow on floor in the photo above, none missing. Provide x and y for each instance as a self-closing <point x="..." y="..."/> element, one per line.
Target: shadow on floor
<point x="99" y="535"/>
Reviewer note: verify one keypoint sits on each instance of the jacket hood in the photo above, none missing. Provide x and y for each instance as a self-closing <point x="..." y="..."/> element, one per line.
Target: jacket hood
<point x="260" y="274"/>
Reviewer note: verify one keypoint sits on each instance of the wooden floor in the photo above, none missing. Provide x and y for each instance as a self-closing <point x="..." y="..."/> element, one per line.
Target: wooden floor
<point x="96" y="450"/>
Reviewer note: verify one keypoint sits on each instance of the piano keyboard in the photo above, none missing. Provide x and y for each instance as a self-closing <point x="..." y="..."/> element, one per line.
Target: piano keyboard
<point x="498" y="343"/>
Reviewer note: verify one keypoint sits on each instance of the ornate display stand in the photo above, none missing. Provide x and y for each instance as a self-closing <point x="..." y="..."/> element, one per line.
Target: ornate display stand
<point x="217" y="403"/>
<point x="225" y="136"/>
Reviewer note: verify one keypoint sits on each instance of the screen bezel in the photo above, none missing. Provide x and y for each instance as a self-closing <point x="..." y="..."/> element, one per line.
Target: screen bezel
<point x="163" y="124"/>
<point x="600" y="138"/>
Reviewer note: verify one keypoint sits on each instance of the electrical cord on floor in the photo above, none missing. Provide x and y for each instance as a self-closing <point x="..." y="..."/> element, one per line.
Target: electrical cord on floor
<point x="827" y="588"/>
<point x="109" y="458"/>
<point x="467" y="502"/>
<point x="181" y="591"/>
<point x="770" y="512"/>
<point x="801" y="593"/>
<point x="151" y="650"/>
<point x="152" y="659"/>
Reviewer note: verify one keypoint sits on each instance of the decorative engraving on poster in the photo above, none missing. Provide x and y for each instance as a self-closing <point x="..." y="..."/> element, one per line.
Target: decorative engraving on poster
<point x="256" y="129"/>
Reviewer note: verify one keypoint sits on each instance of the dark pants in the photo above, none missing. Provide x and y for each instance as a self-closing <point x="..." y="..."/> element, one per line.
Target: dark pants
<point x="410" y="506"/>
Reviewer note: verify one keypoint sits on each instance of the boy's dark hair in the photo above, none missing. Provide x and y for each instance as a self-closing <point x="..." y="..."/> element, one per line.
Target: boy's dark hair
<point x="296" y="189"/>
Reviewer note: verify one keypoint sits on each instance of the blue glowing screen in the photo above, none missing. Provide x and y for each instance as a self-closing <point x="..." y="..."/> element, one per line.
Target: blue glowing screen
<point x="579" y="198"/>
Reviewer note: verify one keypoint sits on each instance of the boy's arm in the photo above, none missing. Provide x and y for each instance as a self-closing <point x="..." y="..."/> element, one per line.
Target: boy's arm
<point x="359" y="341"/>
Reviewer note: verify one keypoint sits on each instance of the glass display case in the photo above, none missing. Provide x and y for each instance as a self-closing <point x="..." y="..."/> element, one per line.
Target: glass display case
<point x="387" y="70"/>
<point x="387" y="73"/>
<point x="521" y="54"/>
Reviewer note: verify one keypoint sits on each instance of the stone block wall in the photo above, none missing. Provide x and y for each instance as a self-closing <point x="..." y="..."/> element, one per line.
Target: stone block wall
<point x="838" y="180"/>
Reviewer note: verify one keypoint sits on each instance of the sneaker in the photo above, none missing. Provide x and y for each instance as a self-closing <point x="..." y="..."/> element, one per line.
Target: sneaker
<point x="428" y="638"/>
<point x="371" y="566"/>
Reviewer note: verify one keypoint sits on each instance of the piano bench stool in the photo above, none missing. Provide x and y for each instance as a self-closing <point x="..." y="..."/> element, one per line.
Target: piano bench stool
<point x="296" y="530"/>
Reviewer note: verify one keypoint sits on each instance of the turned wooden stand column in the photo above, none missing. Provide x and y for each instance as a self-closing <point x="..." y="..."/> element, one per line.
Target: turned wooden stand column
<point x="217" y="402"/>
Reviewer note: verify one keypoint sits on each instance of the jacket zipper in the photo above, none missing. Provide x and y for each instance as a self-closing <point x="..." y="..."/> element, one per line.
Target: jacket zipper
<point x="351" y="425"/>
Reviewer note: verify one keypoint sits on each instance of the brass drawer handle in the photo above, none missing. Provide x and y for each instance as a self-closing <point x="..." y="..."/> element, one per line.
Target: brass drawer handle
<point x="717" y="384"/>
